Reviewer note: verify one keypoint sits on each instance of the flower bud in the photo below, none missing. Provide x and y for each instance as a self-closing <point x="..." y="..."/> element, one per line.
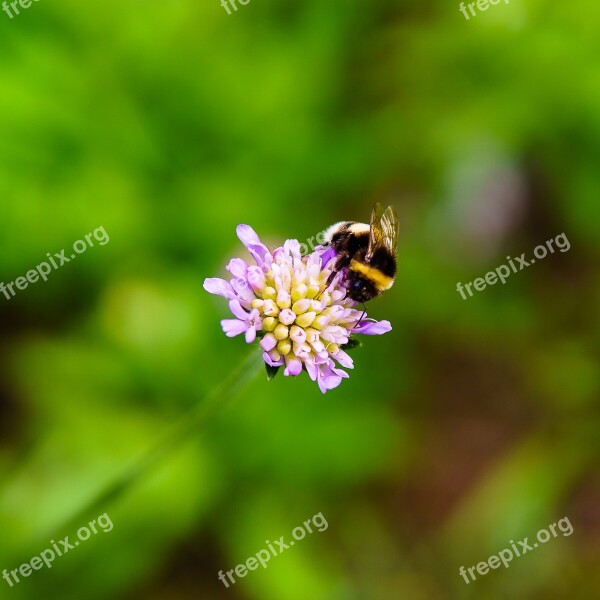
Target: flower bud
<point x="274" y="355"/>
<point x="269" y="323"/>
<point x="297" y="334"/>
<point x="306" y="319"/>
<point x="283" y="300"/>
<point x="284" y="347"/>
<point x="299" y="292"/>
<point x="313" y="291"/>
<point x="270" y="309"/>
<point x="320" y="322"/>
<point x="287" y="316"/>
<point x="269" y="293"/>
<point x="281" y="332"/>
<point x="301" y="306"/>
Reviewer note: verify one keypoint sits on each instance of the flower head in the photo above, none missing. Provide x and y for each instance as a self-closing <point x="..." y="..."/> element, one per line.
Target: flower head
<point x="283" y="300"/>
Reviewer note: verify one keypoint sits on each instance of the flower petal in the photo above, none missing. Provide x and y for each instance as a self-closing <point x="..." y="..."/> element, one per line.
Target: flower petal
<point x="236" y="308"/>
<point x="250" y="239"/>
<point x="311" y="368"/>
<point x="220" y="287"/>
<point x="243" y="290"/>
<point x="237" y="267"/>
<point x="326" y="255"/>
<point x="256" y="278"/>
<point x="233" y="327"/>
<point x="271" y="362"/>
<point x="344" y="359"/>
<point x="268" y="342"/>
<point x="292" y="247"/>
<point x="373" y="327"/>
<point x="250" y="335"/>
<point x="293" y="366"/>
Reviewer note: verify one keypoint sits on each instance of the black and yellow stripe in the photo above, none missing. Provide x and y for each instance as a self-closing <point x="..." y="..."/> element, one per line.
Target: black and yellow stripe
<point x="379" y="279"/>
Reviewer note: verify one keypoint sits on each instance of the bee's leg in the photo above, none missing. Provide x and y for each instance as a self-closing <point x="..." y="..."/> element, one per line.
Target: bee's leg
<point x="331" y="277"/>
<point x="364" y="313"/>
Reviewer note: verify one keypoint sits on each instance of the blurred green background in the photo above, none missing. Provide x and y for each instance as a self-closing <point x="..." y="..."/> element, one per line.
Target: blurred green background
<point x="471" y="424"/>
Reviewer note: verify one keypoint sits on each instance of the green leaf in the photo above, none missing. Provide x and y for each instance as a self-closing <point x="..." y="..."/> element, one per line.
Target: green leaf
<point x="271" y="371"/>
<point x="352" y="343"/>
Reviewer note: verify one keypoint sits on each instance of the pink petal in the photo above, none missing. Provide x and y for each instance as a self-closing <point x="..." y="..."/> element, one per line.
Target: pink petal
<point x="373" y="327"/>
<point x="293" y="248"/>
<point x="321" y="385"/>
<point x="344" y="359"/>
<point x="220" y="287"/>
<point x="311" y="369"/>
<point x="250" y="335"/>
<point x="233" y="327"/>
<point x="268" y="342"/>
<point x="236" y="308"/>
<point x="256" y="277"/>
<point x="237" y="267"/>
<point x="271" y="362"/>
<point x="326" y="255"/>
<point x="250" y="239"/>
<point x="341" y="373"/>
<point x="332" y="381"/>
<point x="293" y="367"/>
<point x="242" y="289"/>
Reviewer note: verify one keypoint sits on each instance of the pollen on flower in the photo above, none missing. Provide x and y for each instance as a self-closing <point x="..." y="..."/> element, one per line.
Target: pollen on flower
<point x="283" y="300"/>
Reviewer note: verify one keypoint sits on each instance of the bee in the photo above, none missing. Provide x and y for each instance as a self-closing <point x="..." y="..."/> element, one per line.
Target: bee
<point x="368" y="252"/>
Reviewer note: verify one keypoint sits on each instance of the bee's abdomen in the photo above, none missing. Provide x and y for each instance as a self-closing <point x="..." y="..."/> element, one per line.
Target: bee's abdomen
<point x="384" y="262"/>
<point x="374" y="275"/>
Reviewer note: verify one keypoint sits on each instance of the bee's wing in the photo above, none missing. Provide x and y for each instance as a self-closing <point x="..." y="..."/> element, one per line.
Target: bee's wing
<point x="384" y="230"/>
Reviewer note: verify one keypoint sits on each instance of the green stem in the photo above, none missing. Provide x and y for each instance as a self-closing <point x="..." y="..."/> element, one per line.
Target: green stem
<point x="180" y="431"/>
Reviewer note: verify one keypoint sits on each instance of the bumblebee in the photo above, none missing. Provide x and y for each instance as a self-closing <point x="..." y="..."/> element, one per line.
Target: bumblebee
<point x="368" y="252"/>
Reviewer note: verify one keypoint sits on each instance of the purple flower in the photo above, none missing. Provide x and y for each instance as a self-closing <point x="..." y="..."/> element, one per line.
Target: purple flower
<point x="302" y="325"/>
<point x="246" y="322"/>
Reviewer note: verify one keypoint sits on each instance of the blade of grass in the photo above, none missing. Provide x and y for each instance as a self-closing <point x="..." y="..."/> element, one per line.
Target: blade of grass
<point x="186" y="426"/>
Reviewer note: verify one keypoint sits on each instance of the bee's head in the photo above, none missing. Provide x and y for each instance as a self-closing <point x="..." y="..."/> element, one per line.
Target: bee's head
<point x="360" y="290"/>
